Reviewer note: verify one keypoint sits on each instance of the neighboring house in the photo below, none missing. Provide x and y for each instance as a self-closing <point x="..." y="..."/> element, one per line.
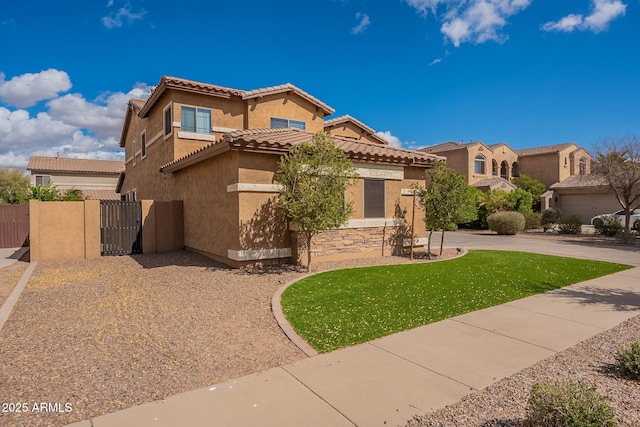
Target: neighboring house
<point x="583" y="195"/>
<point x="217" y="150"/>
<point x="484" y="165"/>
<point x="97" y="179"/>
<point x="554" y="163"/>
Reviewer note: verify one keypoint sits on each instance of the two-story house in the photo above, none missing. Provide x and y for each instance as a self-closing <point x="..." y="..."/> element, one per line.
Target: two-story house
<point x="217" y="149"/>
<point x="97" y="179"/>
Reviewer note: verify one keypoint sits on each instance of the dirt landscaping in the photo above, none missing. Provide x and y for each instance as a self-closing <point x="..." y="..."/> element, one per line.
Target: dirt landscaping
<point x="9" y="277"/>
<point x="106" y="334"/>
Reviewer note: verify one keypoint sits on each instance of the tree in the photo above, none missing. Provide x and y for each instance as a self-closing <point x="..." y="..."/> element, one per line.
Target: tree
<point x="314" y="177"/>
<point x="533" y="186"/>
<point x="13" y="185"/>
<point x="73" y="195"/>
<point x="617" y="162"/>
<point x="447" y="199"/>
<point x="48" y="193"/>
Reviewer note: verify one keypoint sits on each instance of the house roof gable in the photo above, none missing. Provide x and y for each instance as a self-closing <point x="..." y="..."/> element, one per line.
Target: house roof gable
<point x="349" y="119"/>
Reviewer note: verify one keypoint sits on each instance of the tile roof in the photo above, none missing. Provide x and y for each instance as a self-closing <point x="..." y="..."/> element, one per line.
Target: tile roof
<point x="137" y="103"/>
<point x="346" y="119"/>
<point x="168" y="82"/>
<point x="589" y="180"/>
<point x="288" y="87"/>
<point x="545" y="149"/>
<point x="449" y="146"/>
<point x="64" y="164"/>
<point x="282" y="139"/>
<point x="492" y="183"/>
<point x="100" y="195"/>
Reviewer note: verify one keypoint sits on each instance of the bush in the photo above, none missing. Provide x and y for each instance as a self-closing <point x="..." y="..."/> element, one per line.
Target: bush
<point x="508" y="222"/>
<point x="532" y="220"/>
<point x="567" y="404"/>
<point x="550" y="217"/>
<point x="608" y="225"/>
<point x="570" y="224"/>
<point x="629" y="360"/>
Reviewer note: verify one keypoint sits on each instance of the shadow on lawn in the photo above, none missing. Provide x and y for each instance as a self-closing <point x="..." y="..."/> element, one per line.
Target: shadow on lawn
<point x="620" y="299"/>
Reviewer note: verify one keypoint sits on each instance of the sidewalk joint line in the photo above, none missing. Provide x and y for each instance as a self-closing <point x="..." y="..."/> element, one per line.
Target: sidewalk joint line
<point x="554" y="316"/>
<point x="507" y="336"/>
<point x="284" y="368"/>
<point x="421" y="366"/>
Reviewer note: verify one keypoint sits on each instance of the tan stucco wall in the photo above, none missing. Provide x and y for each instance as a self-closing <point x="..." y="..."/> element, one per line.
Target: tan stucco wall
<point x="210" y="212"/>
<point x="283" y="106"/>
<point x="545" y="167"/>
<point x="472" y="153"/>
<point x="574" y="160"/>
<point x="61" y="231"/>
<point x="352" y="131"/>
<point x="458" y="160"/>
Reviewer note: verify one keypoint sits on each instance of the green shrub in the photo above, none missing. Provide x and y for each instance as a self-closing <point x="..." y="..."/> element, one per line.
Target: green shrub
<point x="560" y="404"/>
<point x="508" y="222"/>
<point x="608" y="225"/>
<point x="532" y="220"/>
<point x="570" y="224"/>
<point x="628" y="359"/>
<point x="550" y="217"/>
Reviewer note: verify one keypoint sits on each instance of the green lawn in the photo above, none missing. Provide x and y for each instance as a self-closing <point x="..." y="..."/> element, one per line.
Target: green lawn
<point x="345" y="307"/>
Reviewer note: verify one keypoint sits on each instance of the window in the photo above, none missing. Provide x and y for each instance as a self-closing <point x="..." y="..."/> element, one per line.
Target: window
<point x="168" y="121"/>
<point x="479" y="165"/>
<point x="196" y="120"/>
<point x="287" y="123"/>
<point x="133" y="148"/>
<point x="43" y="180"/>
<point x="583" y="166"/>
<point x="374" y="198"/>
<point x="494" y="168"/>
<point x="143" y="144"/>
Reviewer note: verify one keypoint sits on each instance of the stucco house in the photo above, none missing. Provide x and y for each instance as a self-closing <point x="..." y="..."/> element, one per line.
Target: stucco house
<point x="217" y="149"/>
<point x="486" y="166"/>
<point x="97" y="179"/>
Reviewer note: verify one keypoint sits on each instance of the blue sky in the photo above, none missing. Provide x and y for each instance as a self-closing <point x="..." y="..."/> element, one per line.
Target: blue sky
<point x="524" y="72"/>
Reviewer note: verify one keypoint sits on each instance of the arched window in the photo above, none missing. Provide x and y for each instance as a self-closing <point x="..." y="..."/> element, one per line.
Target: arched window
<point x="494" y="167"/>
<point x="515" y="170"/>
<point x="504" y="170"/>
<point x="583" y="166"/>
<point x="479" y="165"/>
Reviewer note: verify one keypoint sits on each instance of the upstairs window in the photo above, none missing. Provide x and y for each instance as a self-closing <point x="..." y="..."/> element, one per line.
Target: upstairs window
<point x="43" y="180"/>
<point x="143" y="144"/>
<point x="196" y="120"/>
<point x="168" y="121"/>
<point x="287" y="123"/>
<point x="374" y="198"/>
<point x="583" y="166"/>
<point x="478" y="163"/>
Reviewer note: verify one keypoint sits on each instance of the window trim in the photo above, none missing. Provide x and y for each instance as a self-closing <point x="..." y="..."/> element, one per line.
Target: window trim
<point x="481" y="160"/>
<point x="133" y="149"/>
<point x="364" y="198"/>
<point x="169" y="107"/>
<point x="304" y="124"/>
<point x="195" y="115"/>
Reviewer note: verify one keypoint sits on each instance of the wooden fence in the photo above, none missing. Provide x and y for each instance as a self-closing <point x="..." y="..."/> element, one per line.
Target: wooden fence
<point x="14" y="226"/>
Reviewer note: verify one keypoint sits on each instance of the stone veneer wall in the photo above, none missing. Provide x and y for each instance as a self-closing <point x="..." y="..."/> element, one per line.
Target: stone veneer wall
<point x="348" y="242"/>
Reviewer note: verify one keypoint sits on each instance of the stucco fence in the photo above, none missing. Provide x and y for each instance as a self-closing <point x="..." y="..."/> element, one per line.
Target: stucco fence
<point x="62" y="231"/>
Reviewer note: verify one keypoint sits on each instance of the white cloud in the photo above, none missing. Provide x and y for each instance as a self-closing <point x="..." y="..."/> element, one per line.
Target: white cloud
<point x="394" y="141"/>
<point x="26" y="90"/>
<point x="124" y="14"/>
<point x="362" y="25"/>
<point x="72" y="126"/>
<point x="475" y="21"/>
<point x="435" y="61"/>
<point x="602" y="13"/>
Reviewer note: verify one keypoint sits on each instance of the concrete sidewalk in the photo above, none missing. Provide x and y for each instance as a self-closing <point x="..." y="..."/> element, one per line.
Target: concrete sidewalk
<point x="10" y="255"/>
<point x="388" y="380"/>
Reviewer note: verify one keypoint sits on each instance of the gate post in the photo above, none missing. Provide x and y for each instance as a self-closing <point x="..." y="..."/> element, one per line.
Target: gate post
<point x="149" y="227"/>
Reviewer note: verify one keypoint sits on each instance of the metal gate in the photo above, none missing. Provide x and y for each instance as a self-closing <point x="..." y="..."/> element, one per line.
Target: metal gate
<point x="120" y="227"/>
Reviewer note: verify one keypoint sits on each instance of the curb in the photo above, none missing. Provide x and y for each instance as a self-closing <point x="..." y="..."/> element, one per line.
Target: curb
<point x="8" y="305"/>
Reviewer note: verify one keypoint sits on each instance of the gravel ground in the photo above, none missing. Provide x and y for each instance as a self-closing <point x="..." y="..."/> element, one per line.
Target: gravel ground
<point x="106" y="334"/>
<point x="592" y="361"/>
